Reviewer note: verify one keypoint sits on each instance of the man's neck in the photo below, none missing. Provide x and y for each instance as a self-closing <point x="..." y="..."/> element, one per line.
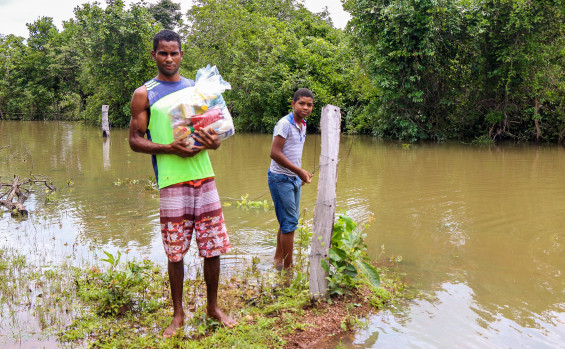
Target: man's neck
<point x="172" y="78"/>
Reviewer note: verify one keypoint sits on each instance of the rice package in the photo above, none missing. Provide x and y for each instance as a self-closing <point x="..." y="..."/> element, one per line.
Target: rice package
<point x="202" y="106"/>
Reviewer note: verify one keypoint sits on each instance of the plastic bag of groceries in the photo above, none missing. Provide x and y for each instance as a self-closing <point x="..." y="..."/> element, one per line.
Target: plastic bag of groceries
<point x="202" y="106"/>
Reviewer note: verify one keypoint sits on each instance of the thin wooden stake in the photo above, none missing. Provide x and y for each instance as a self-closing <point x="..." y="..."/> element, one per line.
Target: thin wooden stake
<point x="105" y="123"/>
<point x="324" y="212"/>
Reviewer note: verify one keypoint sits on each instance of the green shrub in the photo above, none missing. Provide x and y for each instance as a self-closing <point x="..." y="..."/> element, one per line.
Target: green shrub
<point x="348" y="258"/>
<point x="118" y="289"/>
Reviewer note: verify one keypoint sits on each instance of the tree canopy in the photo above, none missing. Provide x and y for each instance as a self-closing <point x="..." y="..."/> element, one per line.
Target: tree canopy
<point x="268" y="50"/>
<point x="405" y="69"/>
<point x="455" y="69"/>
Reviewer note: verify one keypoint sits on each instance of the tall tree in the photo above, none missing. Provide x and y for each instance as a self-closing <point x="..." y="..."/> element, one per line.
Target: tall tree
<point x="167" y="13"/>
<point x="13" y="52"/>
<point x="524" y="68"/>
<point x="114" y="44"/>
<point x="464" y="68"/>
<point x="413" y="52"/>
<point x="267" y="50"/>
<point x="39" y="87"/>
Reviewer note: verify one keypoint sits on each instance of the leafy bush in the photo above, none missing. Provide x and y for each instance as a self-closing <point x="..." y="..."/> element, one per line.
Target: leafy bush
<point x="118" y="290"/>
<point x="348" y="257"/>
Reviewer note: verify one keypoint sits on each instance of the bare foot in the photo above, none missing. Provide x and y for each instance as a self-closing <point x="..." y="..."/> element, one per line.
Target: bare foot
<point x="221" y="317"/>
<point x="286" y="275"/>
<point x="173" y="327"/>
<point x="278" y="265"/>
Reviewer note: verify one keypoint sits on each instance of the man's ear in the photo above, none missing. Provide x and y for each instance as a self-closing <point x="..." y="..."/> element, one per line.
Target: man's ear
<point x="153" y="55"/>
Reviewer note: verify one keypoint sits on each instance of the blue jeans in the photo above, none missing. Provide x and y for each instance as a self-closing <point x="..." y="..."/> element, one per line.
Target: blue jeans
<point x="285" y="191"/>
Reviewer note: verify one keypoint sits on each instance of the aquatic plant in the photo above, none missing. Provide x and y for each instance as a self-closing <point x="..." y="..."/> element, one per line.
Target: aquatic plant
<point x="120" y="288"/>
<point x="149" y="184"/>
<point x="348" y="257"/>
<point x="246" y="203"/>
<point x="119" y="182"/>
<point x="483" y="140"/>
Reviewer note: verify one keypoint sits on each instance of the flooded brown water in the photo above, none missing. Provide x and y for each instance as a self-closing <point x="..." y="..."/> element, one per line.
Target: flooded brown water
<point x="479" y="231"/>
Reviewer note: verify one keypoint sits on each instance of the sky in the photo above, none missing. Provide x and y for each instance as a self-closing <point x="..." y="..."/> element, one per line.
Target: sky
<point x="14" y="14"/>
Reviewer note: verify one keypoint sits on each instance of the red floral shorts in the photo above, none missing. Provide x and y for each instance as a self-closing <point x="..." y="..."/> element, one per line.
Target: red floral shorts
<point x="193" y="206"/>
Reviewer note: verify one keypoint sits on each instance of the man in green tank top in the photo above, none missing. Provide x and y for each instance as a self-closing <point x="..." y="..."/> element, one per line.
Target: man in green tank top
<point x="189" y="199"/>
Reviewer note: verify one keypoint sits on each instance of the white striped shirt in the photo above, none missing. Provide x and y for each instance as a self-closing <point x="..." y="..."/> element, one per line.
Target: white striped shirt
<point x="293" y="145"/>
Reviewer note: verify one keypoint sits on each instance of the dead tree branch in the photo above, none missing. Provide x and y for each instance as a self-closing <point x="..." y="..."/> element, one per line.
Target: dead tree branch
<point x="21" y="189"/>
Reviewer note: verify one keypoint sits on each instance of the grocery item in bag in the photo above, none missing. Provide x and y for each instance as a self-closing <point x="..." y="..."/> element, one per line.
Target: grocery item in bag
<point x="202" y="106"/>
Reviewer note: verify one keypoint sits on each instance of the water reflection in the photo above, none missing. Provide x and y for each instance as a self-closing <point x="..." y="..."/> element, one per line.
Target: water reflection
<point x="437" y="321"/>
<point x="479" y="229"/>
<point x="106" y="152"/>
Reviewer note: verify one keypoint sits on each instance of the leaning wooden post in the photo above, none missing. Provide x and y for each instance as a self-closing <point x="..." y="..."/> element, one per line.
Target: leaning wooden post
<point x="324" y="212"/>
<point x="105" y="123"/>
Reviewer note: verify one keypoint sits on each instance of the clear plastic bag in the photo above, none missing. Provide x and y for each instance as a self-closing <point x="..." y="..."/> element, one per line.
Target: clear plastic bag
<point x="202" y="106"/>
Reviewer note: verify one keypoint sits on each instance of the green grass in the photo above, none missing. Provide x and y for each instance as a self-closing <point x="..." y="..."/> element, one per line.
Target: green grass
<point x="115" y="303"/>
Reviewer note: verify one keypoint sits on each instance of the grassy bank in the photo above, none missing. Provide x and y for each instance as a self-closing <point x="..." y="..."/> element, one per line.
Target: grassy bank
<point x="119" y="303"/>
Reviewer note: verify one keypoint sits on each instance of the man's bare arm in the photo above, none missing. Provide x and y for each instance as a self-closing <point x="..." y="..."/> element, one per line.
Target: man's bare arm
<point x="138" y="128"/>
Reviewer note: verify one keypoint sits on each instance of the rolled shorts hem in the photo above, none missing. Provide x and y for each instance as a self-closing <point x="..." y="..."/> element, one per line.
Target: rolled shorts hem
<point x="285" y="192"/>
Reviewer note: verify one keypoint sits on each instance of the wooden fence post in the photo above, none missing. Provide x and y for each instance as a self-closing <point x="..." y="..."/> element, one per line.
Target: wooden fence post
<point x="324" y="212"/>
<point x="105" y="123"/>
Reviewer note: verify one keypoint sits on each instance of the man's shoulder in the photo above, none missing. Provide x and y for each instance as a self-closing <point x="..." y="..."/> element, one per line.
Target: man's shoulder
<point x="184" y="82"/>
<point x="157" y="89"/>
<point x="140" y="95"/>
<point x="140" y="90"/>
<point x="187" y="81"/>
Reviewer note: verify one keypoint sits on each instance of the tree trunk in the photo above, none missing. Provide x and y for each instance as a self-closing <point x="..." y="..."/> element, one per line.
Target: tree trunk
<point x="2" y="115"/>
<point x="536" y="121"/>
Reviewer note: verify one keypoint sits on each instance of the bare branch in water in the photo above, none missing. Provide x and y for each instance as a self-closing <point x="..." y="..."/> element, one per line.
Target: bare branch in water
<point x="21" y="188"/>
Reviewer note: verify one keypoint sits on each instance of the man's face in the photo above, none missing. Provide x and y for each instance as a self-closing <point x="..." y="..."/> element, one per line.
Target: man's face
<point x="168" y="57"/>
<point x="302" y="107"/>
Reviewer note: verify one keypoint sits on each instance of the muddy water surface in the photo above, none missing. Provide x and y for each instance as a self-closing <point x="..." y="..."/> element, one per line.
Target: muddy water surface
<point x="479" y="231"/>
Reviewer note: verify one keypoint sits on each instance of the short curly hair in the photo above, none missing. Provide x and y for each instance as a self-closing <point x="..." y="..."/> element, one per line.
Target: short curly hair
<point x="165" y="35"/>
<point x="303" y="92"/>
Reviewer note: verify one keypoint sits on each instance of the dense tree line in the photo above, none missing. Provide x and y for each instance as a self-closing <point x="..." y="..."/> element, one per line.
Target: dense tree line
<point x="492" y="69"/>
<point x="406" y="69"/>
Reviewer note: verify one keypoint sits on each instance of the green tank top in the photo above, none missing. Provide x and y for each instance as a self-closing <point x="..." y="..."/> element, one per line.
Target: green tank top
<point x="171" y="169"/>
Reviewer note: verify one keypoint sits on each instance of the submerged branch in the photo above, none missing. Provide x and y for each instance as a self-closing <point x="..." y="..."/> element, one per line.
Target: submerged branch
<point x="20" y="189"/>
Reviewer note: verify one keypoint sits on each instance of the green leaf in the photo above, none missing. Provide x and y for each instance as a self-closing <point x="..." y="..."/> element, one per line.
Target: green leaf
<point x="110" y="258"/>
<point x="337" y="254"/>
<point x="350" y="270"/>
<point x="371" y="273"/>
<point x="350" y="224"/>
<point x="325" y="266"/>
